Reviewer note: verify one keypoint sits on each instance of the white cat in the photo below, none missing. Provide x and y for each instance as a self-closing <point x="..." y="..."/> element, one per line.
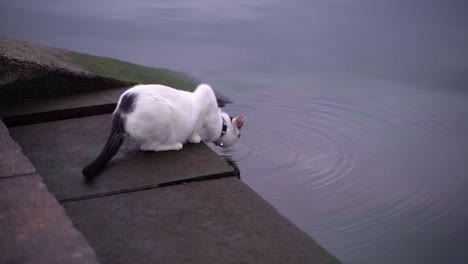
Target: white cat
<point x="162" y="118"/>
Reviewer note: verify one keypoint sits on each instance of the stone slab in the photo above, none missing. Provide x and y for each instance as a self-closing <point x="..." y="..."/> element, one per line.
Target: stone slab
<point x="45" y="110"/>
<point x="216" y="221"/>
<point x="12" y="161"/>
<point x="34" y="227"/>
<point x="60" y="150"/>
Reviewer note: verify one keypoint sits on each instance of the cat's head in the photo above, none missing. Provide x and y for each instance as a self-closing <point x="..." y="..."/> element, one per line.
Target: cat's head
<point x="233" y="130"/>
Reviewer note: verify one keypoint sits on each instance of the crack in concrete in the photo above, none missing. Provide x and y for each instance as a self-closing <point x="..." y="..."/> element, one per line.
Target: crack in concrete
<point x="234" y="173"/>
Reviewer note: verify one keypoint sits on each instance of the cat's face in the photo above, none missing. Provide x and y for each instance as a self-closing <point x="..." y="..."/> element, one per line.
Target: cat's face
<point x="233" y="132"/>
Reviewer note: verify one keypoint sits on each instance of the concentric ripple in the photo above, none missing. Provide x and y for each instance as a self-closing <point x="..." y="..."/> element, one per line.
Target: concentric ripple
<point x="361" y="172"/>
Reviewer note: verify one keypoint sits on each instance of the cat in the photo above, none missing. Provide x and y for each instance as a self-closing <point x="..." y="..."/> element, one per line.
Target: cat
<point x="161" y="118"/>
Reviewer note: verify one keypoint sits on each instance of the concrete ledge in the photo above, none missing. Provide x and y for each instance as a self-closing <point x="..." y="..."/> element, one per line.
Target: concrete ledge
<point x="25" y="80"/>
<point x="31" y="72"/>
<point x="60" y="108"/>
<point x="216" y="221"/>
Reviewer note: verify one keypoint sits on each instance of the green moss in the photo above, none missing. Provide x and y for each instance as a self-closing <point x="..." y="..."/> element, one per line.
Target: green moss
<point x="130" y="72"/>
<point x="331" y="259"/>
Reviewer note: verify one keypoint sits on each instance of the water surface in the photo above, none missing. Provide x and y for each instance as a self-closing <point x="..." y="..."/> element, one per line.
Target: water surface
<point x="357" y="111"/>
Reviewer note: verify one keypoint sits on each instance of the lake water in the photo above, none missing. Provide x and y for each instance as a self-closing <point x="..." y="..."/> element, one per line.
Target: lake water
<point x="357" y="111"/>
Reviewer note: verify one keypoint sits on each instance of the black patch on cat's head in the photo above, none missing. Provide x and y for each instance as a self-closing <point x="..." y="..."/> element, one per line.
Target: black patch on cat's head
<point x="127" y="104"/>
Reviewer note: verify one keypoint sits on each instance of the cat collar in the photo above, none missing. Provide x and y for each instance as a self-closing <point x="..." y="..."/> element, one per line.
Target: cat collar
<point x="223" y="132"/>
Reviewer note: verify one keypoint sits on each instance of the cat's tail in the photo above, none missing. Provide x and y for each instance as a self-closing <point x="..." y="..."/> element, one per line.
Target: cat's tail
<point x="115" y="140"/>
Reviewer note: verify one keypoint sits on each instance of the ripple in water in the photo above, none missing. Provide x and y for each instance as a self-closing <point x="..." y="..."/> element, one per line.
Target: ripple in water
<point x="369" y="175"/>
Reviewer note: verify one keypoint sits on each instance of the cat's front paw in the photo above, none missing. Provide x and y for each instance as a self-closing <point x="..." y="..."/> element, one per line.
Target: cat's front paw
<point x="195" y="139"/>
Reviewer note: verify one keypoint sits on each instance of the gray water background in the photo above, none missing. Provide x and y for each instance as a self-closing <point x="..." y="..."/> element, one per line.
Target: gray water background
<point x="357" y="111"/>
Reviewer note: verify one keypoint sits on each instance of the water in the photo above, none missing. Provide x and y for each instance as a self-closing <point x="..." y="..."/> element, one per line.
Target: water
<point x="357" y="111"/>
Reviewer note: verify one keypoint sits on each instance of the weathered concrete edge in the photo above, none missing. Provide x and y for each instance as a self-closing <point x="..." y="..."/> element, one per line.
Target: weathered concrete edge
<point x="12" y="160"/>
<point x="36" y="81"/>
<point x="49" y="72"/>
<point x="32" y="181"/>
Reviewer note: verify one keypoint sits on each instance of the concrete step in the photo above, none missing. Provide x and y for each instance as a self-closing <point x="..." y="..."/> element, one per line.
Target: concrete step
<point x="60" y="108"/>
<point x="215" y="221"/>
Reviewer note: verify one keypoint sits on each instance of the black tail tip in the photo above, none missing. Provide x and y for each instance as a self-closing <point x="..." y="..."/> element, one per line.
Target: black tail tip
<point x="90" y="173"/>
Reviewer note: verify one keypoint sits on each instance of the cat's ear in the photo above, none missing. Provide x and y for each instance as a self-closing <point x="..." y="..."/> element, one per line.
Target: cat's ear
<point x="221" y="103"/>
<point x="239" y="121"/>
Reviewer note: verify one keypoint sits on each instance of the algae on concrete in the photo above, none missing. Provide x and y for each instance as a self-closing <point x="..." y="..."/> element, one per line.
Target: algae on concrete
<point x="130" y="72"/>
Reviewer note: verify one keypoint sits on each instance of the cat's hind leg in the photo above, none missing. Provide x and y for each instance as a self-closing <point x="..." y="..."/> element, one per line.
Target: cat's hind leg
<point x="162" y="141"/>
